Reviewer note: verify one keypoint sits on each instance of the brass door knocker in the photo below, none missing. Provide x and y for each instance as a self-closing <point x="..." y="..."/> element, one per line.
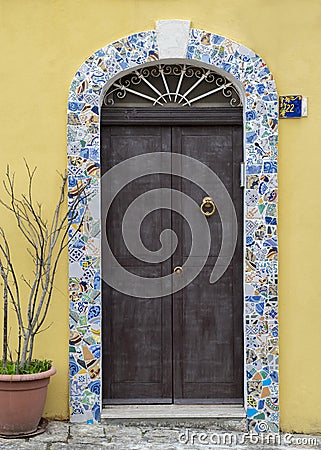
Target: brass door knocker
<point x="207" y="207"/>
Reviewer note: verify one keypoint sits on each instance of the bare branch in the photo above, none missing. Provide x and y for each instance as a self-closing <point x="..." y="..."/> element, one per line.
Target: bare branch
<point x="46" y="241"/>
<point x="4" y="275"/>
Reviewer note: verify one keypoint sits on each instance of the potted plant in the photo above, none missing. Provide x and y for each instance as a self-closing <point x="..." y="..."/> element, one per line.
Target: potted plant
<point x="26" y="301"/>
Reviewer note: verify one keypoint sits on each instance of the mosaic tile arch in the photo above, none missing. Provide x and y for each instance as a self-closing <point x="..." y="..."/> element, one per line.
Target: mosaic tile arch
<point x="261" y="190"/>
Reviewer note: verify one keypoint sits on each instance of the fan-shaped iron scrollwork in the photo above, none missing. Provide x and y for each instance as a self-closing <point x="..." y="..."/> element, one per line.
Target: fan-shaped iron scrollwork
<point x="173" y="85"/>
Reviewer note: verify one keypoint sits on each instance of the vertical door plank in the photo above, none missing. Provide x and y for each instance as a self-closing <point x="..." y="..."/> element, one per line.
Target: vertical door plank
<point x="208" y="318"/>
<point x="137" y="348"/>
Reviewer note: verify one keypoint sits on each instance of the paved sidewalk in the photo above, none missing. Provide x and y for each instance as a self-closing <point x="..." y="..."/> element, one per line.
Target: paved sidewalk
<point x="63" y="435"/>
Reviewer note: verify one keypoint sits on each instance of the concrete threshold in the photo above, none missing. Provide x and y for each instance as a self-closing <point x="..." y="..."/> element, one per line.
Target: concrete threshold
<point x="173" y="412"/>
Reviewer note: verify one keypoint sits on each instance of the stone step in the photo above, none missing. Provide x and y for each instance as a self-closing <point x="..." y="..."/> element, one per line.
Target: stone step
<point x="228" y="417"/>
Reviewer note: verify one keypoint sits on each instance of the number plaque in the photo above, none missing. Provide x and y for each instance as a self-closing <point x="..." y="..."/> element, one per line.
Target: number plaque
<point x="293" y="106"/>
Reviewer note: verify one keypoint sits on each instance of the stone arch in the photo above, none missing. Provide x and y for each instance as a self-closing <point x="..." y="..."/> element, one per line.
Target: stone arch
<point x="260" y="103"/>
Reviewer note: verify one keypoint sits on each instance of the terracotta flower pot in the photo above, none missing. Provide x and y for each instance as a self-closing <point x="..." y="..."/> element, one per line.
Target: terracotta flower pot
<point x="22" y="400"/>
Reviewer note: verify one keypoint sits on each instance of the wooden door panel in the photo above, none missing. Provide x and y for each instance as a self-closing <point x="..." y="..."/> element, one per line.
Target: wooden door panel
<point x="137" y="360"/>
<point x="207" y="339"/>
<point x="208" y="348"/>
<point x="139" y="369"/>
<point x="185" y="348"/>
<point x="151" y="226"/>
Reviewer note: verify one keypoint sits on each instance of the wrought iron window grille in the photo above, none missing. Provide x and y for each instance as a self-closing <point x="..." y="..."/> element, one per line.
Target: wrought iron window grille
<point x="172" y="85"/>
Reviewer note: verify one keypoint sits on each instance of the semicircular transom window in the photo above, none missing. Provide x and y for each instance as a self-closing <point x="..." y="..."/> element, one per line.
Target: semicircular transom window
<point x="172" y="85"/>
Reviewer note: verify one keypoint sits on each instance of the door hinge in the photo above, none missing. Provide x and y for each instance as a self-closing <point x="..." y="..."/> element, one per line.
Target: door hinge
<point x="242" y="174"/>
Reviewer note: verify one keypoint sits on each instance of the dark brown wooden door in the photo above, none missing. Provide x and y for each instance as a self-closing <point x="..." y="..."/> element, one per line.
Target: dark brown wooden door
<point x="186" y="347"/>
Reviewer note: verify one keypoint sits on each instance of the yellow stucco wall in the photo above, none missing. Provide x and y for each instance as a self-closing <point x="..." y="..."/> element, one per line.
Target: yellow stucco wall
<point x="43" y="42"/>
